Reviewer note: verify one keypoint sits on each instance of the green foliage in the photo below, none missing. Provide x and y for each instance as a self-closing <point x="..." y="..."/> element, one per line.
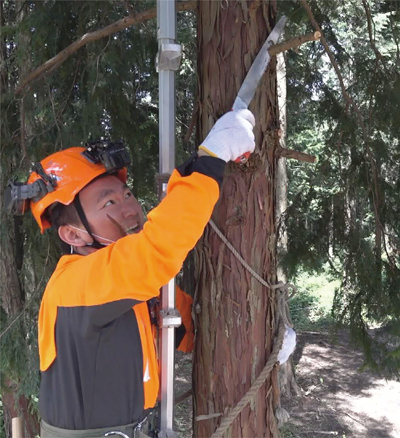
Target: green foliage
<point x="311" y="307"/>
<point x="288" y="431"/>
<point x="344" y="209"/>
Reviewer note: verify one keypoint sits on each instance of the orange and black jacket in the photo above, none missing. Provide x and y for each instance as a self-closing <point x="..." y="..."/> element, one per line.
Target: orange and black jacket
<point x="97" y="350"/>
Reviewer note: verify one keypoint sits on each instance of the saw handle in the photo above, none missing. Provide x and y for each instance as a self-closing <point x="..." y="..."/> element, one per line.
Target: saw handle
<point x="243" y="158"/>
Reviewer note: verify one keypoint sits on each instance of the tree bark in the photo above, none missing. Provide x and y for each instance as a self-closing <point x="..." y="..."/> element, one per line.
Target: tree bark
<point x="282" y="178"/>
<point x="19" y="406"/>
<point x="287" y="381"/>
<point x="235" y="315"/>
<point x="13" y="300"/>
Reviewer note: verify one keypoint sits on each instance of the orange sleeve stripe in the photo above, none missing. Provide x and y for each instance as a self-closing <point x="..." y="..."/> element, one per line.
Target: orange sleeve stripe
<point x="150" y="367"/>
<point x="184" y="304"/>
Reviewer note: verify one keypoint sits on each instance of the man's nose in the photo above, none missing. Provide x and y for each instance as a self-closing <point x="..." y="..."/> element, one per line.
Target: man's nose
<point x="130" y="209"/>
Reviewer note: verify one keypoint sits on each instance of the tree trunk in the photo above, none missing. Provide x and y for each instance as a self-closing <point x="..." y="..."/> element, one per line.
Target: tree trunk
<point x="287" y="381"/>
<point x="235" y="314"/>
<point x="13" y="297"/>
<point x="281" y="178"/>
<point x="19" y="406"/>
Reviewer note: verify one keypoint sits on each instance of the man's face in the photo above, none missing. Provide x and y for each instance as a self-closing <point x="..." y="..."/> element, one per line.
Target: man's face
<point x="108" y="202"/>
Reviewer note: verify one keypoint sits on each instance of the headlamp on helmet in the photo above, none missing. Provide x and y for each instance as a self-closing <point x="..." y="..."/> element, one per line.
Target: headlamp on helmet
<point x="17" y="195"/>
<point x="113" y="156"/>
<point x="100" y="156"/>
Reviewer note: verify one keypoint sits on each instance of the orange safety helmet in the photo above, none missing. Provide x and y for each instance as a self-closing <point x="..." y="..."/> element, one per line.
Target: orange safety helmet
<point x="71" y="171"/>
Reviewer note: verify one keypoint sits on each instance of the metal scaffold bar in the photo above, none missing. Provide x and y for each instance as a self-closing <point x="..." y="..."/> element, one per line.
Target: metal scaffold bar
<point x="168" y="60"/>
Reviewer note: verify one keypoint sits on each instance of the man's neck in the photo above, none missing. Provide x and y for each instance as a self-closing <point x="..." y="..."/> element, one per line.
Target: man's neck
<point x="84" y="250"/>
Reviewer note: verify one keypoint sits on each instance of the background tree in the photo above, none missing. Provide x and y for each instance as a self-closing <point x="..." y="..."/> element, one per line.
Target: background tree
<point x="343" y="107"/>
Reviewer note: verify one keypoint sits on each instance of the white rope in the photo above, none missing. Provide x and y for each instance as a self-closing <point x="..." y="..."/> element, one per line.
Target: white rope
<point x="283" y="321"/>
<point x="284" y="287"/>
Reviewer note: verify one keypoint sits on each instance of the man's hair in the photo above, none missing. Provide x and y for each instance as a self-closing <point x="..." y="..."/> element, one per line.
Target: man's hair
<point x="60" y="214"/>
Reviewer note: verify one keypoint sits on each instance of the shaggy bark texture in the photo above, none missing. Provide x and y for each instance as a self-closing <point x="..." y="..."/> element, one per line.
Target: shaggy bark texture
<point x="235" y="315"/>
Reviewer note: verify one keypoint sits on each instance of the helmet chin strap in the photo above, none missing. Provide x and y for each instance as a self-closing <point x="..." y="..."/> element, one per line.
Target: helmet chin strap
<point x="95" y="244"/>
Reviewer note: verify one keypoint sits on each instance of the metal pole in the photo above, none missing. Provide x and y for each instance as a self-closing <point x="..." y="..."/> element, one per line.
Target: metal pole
<point x="17" y="427"/>
<point x="168" y="60"/>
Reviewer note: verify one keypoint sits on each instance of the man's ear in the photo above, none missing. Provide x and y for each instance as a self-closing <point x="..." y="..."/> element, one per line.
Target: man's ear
<point x="72" y="236"/>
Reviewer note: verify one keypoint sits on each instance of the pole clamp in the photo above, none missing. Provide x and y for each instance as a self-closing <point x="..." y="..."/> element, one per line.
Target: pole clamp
<point x="161" y="184"/>
<point x="169" y="318"/>
<point x="169" y="57"/>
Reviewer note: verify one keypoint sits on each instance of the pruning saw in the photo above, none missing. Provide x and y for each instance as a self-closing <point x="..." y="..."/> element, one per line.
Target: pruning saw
<point x="255" y="73"/>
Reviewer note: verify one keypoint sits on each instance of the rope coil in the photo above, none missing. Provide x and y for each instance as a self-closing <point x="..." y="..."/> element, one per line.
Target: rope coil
<point x="283" y="316"/>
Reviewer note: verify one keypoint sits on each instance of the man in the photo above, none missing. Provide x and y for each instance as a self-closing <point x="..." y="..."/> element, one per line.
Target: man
<point x="97" y="351"/>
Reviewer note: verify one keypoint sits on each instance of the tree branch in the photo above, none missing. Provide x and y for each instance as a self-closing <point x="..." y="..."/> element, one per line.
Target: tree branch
<point x="93" y="36"/>
<point x="296" y="155"/>
<point x="394" y="34"/>
<point x="329" y="53"/>
<point x="25" y="156"/>
<point x="181" y="397"/>
<point x="129" y="7"/>
<point x="293" y="43"/>
<point x="371" y="37"/>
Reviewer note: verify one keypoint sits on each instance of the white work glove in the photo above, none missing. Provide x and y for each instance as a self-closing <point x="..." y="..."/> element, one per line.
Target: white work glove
<point x="288" y="345"/>
<point x="231" y="136"/>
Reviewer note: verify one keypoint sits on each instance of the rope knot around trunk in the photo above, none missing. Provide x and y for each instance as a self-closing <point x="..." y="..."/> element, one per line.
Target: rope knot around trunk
<point x="251" y="393"/>
<point x="283" y="292"/>
<point x="286" y="291"/>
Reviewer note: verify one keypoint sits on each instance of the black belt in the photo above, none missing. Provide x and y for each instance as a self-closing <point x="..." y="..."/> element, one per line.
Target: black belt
<point x="126" y="431"/>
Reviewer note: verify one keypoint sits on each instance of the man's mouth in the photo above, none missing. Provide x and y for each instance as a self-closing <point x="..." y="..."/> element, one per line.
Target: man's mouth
<point x="133" y="230"/>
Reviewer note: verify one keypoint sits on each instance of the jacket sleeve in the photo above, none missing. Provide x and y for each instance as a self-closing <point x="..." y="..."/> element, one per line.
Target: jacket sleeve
<point x="184" y="304"/>
<point x="135" y="267"/>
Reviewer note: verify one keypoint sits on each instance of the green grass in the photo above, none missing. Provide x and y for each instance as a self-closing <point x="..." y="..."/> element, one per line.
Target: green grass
<point x="288" y="431"/>
<point x="311" y="307"/>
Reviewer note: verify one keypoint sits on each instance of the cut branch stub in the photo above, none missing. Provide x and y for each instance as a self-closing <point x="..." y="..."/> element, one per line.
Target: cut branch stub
<point x="296" y="155"/>
<point x="293" y="43"/>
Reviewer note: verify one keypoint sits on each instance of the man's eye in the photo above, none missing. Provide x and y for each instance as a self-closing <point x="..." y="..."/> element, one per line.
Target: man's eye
<point x="128" y="195"/>
<point x="110" y="202"/>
